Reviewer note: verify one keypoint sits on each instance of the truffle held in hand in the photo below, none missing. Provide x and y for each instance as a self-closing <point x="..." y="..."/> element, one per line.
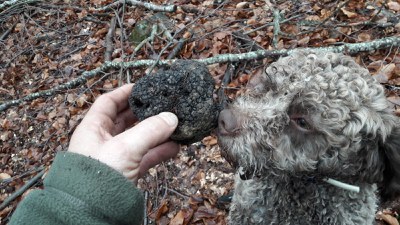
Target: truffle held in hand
<point x="185" y="89"/>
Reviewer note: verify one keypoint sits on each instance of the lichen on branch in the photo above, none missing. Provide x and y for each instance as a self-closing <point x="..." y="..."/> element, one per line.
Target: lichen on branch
<point x="147" y="5"/>
<point x="349" y="48"/>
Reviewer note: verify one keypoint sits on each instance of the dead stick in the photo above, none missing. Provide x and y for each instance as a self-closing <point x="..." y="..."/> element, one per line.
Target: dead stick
<point x="177" y="49"/>
<point x="277" y="28"/>
<point x="350" y="48"/>
<point x="13" y="3"/>
<point x="229" y="73"/>
<point x="20" y="191"/>
<point x="246" y="41"/>
<point x="146" y="202"/>
<point x="109" y="40"/>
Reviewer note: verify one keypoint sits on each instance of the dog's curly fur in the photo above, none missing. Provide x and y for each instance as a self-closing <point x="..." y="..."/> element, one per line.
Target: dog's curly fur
<point x="311" y="116"/>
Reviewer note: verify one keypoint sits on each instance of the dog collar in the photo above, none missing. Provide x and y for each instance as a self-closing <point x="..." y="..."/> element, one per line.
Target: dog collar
<point x="248" y="174"/>
<point x="342" y="185"/>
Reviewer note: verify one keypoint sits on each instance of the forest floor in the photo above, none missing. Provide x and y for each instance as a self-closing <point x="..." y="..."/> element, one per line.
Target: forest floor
<point x="45" y="44"/>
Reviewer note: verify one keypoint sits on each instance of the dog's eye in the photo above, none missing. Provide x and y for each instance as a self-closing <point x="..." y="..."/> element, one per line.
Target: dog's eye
<point x="302" y="123"/>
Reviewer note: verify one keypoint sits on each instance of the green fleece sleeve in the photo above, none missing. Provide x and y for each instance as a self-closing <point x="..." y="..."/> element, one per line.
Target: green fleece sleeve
<point x="81" y="190"/>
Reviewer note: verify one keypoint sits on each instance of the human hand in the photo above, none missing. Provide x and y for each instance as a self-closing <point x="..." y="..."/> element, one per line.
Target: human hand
<point x="102" y="135"/>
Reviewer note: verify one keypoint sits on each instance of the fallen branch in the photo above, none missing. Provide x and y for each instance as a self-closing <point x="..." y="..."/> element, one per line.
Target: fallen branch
<point x="246" y="42"/>
<point x="20" y="191"/>
<point x="277" y="28"/>
<point x="146" y="201"/>
<point x="109" y="40"/>
<point x="150" y="38"/>
<point x="14" y="7"/>
<point x="177" y="49"/>
<point x="7" y="32"/>
<point x="14" y="2"/>
<point x="4" y="182"/>
<point x="271" y="24"/>
<point x="150" y="6"/>
<point x="226" y="79"/>
<point x="349" y="48"/>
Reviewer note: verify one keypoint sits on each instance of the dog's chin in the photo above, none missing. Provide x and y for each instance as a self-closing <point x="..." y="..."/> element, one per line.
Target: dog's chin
<point x="225" y="143"/>
<point x="226" y="153"/>
<point x="245" y="173"/>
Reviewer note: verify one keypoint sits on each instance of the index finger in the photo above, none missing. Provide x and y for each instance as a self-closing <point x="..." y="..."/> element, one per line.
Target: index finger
<point x="112" y="103"/>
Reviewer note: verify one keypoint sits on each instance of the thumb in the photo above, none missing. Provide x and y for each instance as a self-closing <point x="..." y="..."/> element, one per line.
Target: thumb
<point x="149" y="133"/>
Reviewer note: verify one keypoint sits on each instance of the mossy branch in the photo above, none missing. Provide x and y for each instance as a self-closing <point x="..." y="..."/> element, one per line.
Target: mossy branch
<point x="350" y="48"/>
<point x="147" y="5"/>
<point x="15" y="2"/>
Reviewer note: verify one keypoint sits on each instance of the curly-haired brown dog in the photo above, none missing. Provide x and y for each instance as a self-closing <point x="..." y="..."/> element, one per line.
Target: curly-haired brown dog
<point x="310" y="118"/>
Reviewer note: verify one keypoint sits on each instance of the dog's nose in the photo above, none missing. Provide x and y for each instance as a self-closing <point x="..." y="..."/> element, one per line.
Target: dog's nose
<point x="228" y="123"/>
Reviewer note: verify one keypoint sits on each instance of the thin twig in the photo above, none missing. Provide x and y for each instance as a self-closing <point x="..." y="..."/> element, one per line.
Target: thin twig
<point x="109" y="40"/>
<point x="227" y="78"/>
<point x="271" y="24"/>
<point x="175" y="192"/>
<point x="173" y="38"/>
<point x="27" y="173"/>
<point x="339" y="7"/>
<point x="148" y="39"/>
<point x="333" y="14"/>
<point x="20" y="191"/>
<point x="146" y="202"/>
<point x="7" y="32"/>
<point x="277" y="28"/>
<point x="246" y="42"/>
<point x="72" y="52"/>
<point x="177" y="49"/>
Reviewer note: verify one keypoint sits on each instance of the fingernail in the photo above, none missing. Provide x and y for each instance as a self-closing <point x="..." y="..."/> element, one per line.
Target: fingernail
<point x="170" y="118"/>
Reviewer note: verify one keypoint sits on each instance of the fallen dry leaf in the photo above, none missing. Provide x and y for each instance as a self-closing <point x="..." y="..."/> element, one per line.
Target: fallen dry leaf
<point x="210" y="140"/>
<point x="220" y="35"/>
<point x="388" y="70"/>
<point x="363" y="37"/>
<point x="82" y="100"/>
<point x="183" y="217"/>
<point x="162" y="209"/>
<point x="395" y="6"/>
<point x="348" y="13"/>
<point x="384" y="74"/>
<point x="204" y="213"/>
<point x="242" y="5"/>
<point x="76" y="57"/>
<point x="394" y="99"/>
<point x="389" y="219"/>
<point x="178" y="219"/>
<point x="4" y="176"/>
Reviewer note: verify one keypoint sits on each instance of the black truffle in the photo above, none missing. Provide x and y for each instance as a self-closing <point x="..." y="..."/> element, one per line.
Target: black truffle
<point x="185" y="89"/>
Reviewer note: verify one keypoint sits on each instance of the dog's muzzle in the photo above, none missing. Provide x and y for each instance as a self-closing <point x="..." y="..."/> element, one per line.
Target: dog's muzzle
<point x="228" y="123"/>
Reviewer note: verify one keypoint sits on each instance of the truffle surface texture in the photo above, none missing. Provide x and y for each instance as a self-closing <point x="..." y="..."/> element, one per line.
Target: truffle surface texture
<point x="185" y="89"/>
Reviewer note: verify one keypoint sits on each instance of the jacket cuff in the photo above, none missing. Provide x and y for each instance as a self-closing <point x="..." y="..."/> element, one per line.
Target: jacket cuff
<point x="104" y="190"/>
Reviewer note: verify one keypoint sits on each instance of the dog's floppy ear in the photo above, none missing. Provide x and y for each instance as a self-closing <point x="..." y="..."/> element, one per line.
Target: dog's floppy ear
<point x="257" y="82"/>
<point x="391" y="174"/>
<point x="261" y="81"/>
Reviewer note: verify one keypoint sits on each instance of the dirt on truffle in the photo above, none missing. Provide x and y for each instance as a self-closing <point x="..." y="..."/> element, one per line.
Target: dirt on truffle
<point x="186" y="89"/>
